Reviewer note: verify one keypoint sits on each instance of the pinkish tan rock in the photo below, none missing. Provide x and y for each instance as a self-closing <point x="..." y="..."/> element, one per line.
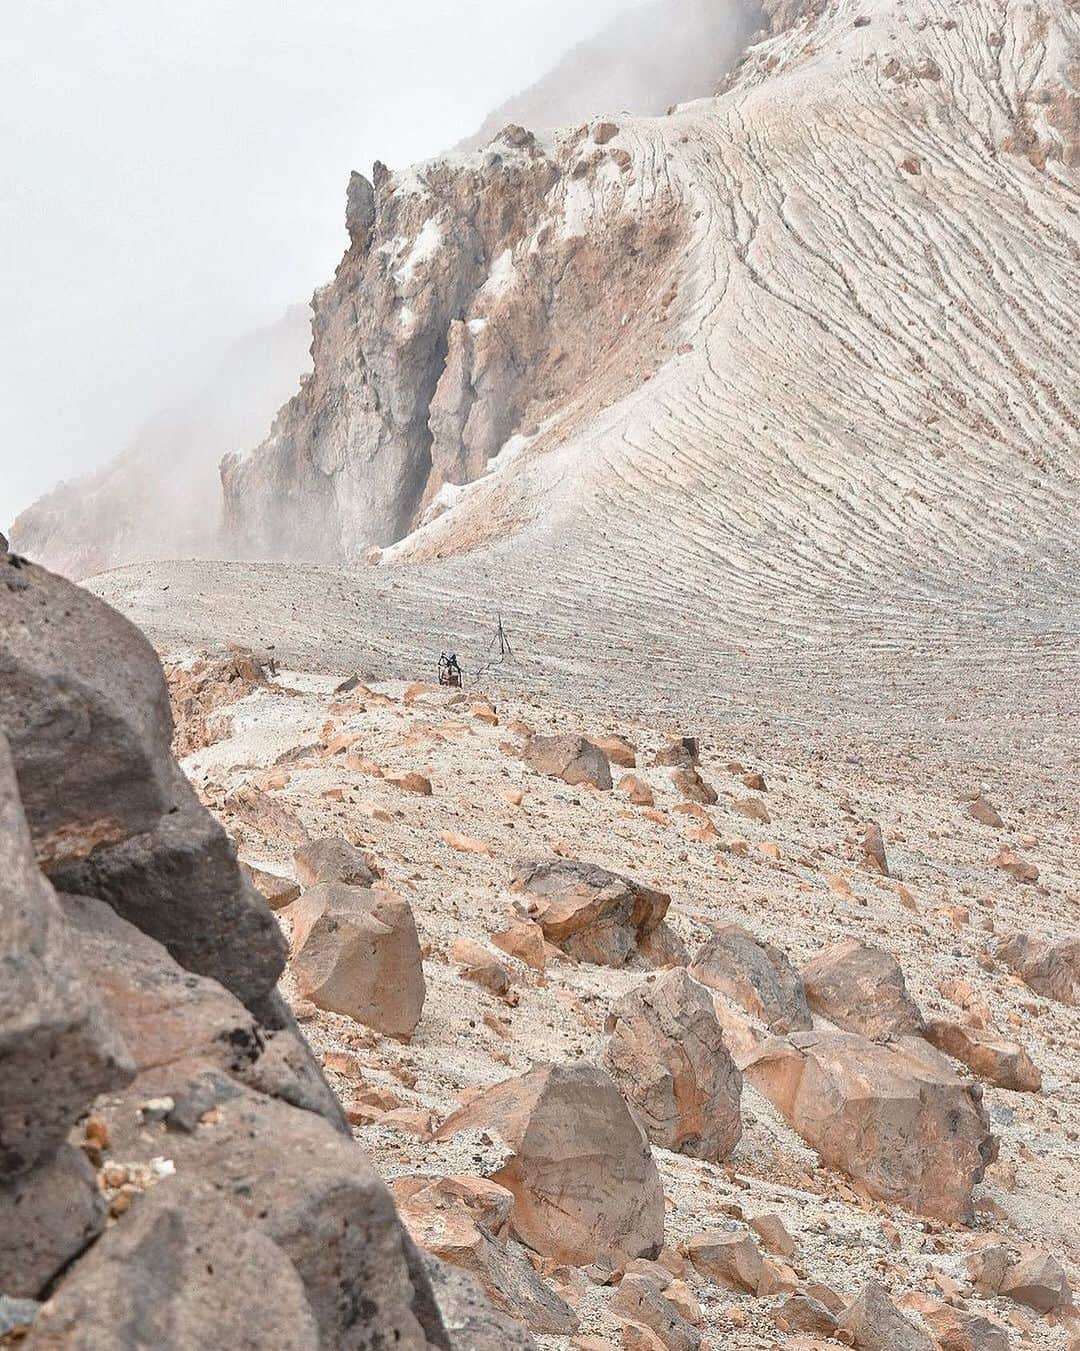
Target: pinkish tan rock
<point x="996" y="1059"/>
<point x="334" y="860"/>
<point x="753" y="808"/>
<point x="980" y="810"/>
<point x="618" y="750"/>
<point x="895" y="1118"/>
<point x="956" y="1329"/>
<point x="585" y="1186"/>
<point x="692" y="787"/>
<point x="861" y="989"/>
<point x="667" y="1054"/>
<point x="276" y="891"/>
<point x="481" y="966"/>
<point x="1019" y="869"/>
<point x="590" y="913"/>
<point x="874" y="1323"/>
<point x="637" y="790"/>
<point x="639" y="1300"/>
<point x="1038" y="1280"/>
<point x="523" y="939"/>
<point x="730" y="1258"/>
<point x="756" y="975"/>
<point x="1051" y="969"/>
<point x="573" y="759"/>
<point x="803" y="1313"/>
<point x="873" y="850"/>
<point x="356" y="951"/>
<point x="773" y="1235"/>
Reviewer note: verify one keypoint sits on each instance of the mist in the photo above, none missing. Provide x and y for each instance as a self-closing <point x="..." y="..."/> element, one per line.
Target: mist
<point x="174" y="178"/>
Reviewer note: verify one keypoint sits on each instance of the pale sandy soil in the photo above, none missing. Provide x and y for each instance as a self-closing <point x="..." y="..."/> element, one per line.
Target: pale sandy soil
<point x="467" y="1037"/>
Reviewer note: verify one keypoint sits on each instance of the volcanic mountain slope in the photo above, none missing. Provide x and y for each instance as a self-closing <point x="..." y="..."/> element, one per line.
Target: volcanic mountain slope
<point x="808" y="343"/>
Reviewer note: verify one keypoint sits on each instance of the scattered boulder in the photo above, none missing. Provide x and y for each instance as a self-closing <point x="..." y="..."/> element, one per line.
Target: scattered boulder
<point x="573" y="759"/>
<point x="411" y="783"/>
<point x="481" y="966"/>
<point x="58" y="1049"/>
<point x="356" y="951"/>
<point x="692" y="787"/>
<point x="770" y="1229"/>
<point x="638" y="1300"/>
<point x="47" y="1217"/>
<point x="1038" y="1280"/>
<point x="662" y="947"/>
<point x="182" y="1267"/>
<point x="682" y="754"/>
<point x="803" y="1313"/>
<point x="753" y="808"/>
<point x="893" y="1117"/>
<point x="667" y="1054"/>
<point x="637" y="790"/>
<point x="334" y="860"/>
<point x="590" y="913"/>
<point x="276" y="891"/>
<point x="618" y="750"/>
<point x="873" y="850"/>
<point x="861" y="989"/>
<point x="585" y="1186"/>
<point x="996" y="1059"/>
<point x="468" y="1320"/>
<point x="730" y="1257"/>
<point x="1019" y="869"/>
<point x="756" y="975"/>
<point x="454" y="1218"/>
<point x="876" y="1324"/>
<point x="980" y="810"/>
<point x="956" y="1329"/>
<point x="200" y="690"/>
<point x="524" y="939"/>
<point x="1051" y="969"/>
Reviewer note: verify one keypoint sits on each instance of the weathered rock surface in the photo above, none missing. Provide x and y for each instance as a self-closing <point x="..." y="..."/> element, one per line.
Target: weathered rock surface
<point x="1051" y="969"/>
<point x="181" y="1268"/>
<point x="861" y="989"/>
<point x="469" y="1321"/>
<point x="956" y="1329"/>
<point x="592" y="914"/>
<point x="667" y="1054"/>
<point x="895" y="1118"/>
<point x="47" y="1217"/>
<point x="574" y="759"/>
<point x="334" y="860"/>
<point x="454" y="1219"/>
<point x="585" y="1186"/>
<point x="994" y="1058"/>
<point x="199" y="691"/>
<point x="1038" y="1280"/>
<point x="57" y="1047"/>
<point x="356" y="951"/>
<point x="876" y="1324"/>
<point x="729" y="1257"/>
<point x="639" y="1301"/>
<point x="756" y="975"/>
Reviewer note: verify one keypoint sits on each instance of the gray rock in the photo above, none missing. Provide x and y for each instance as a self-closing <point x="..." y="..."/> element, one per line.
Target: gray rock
<point x="181" y="883"/>
<point x="84" y="705"/>
<point x="182" y="1268"/>
<point x="359" y="209"/>
<point x="756" y="975"/>
<point x="861" y="989"/>
<point x="16" y="1314"/>
<point x="876" y="1324"/>
<point x="470" y="1321"/>
<point x="47" y="1217"/>
<point x="57" y="1048"/>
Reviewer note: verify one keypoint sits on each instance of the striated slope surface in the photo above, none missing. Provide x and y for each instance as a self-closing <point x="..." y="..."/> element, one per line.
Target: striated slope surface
<point x="816" y="355"/>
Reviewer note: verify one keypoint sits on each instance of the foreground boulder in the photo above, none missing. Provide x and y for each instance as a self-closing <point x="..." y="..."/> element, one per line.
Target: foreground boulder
<point x="580" y="1168"/>
<point x="183" y="1268"/>
<point x="861" y="989"/>
<point x="667" y="1055"/>
<point x="47" y="1217"/>
<point x="1051" y="969"/>
<point x="756" y="975"/>
<point x="57" y="1047"/>
<point x="356" y="951"/>
<point x="893" y="1117"/>
<point x="573" y="759"/>
<point x="590" y="913"/>
<point x="996" y="1059"/>
<point x="1038" y="1280"/>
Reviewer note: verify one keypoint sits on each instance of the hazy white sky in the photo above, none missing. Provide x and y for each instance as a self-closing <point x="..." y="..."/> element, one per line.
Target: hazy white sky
<point x="173" y="174"/>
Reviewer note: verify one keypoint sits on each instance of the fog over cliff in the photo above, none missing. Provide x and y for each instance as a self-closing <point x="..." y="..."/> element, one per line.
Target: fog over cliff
<point x="175" y="177"/>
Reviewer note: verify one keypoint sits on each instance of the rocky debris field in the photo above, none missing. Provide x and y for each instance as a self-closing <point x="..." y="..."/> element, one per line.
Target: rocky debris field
<point x="679" y="1036"/>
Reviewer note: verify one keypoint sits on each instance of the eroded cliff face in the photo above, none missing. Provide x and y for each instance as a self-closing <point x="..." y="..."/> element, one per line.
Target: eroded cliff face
<point x="479" y="296"/>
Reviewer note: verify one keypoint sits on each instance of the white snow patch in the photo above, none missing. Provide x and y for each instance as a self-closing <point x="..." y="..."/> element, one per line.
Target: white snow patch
<point x="501" y="276"/>
<point x="425" y="247"/>
<point x="477" y="326"/>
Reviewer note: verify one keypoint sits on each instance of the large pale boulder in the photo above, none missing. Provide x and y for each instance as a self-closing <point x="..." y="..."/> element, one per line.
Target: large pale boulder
<point x="58" y="1049"/>
<point x="861" y="989"/>
<point x="181" y="1268"/>
<point x="1051" y="969"/>
<point x="893" y="1117"/>
<point x="590" y="913"/>
<point x="987" y="1055"/>
<point x="667" y="1054"/>
<point x="356" y="951"/>
<point x="756" y="975"/>
<point x="573" y="759"/>
<point x="585" y="1186"/>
